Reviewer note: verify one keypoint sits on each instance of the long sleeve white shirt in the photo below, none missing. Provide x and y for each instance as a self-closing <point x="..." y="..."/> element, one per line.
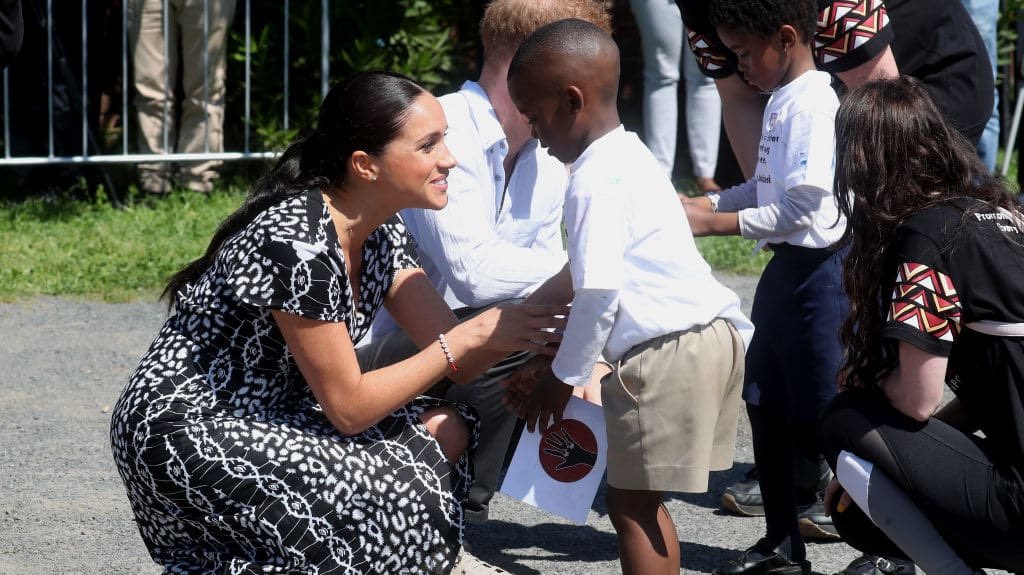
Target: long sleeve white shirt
<point x="495" y="239"/>
<point x="635" y="268"/>
<point x="790" y="197"/>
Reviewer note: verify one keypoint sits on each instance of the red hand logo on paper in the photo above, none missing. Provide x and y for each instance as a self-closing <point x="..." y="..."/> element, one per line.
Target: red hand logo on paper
<point x="568" y="451"/>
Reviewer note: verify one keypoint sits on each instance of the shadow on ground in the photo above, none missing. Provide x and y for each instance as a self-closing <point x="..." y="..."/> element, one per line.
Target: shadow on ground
<point x="504" y="544"/>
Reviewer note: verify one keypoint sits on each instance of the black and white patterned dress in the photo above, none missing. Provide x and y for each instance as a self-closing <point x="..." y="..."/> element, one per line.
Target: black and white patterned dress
<point x="229" y="462"/>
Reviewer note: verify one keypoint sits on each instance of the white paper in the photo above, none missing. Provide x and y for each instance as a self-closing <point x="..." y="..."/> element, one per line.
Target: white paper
<point x="575" y="455"/>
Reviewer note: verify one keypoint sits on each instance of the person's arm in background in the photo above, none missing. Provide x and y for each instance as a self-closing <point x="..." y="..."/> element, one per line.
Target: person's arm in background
<point x="881" y="65"/>
<point x="742" y="114"/>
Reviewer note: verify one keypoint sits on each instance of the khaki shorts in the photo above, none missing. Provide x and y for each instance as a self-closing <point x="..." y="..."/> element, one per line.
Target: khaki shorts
<point x="671" y="407"/>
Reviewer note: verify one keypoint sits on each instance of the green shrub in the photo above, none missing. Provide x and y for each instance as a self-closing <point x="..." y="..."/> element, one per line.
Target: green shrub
<point x="418" y="38"/>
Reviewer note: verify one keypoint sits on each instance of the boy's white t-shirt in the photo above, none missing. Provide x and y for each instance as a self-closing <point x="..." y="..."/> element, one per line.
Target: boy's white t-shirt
<point x="797" y="150"/>
<point x="635" y="268"/>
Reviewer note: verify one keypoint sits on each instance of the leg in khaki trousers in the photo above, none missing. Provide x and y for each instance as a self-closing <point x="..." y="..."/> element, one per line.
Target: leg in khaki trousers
<point x="156" y="61"/>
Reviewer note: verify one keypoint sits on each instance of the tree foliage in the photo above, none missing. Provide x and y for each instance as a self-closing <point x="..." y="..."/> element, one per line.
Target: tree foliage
<point x="423" y="39"/>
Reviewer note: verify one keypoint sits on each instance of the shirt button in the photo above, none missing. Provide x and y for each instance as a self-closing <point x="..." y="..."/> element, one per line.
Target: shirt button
<point x="497" y="178"/>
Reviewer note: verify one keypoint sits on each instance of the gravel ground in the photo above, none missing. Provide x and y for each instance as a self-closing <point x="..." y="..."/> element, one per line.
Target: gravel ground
<point x="63" y="508"/>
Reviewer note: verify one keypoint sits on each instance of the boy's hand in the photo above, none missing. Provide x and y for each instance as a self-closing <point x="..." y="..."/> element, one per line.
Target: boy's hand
<point x="699" y="216"/>
<point x="537" y="396"/>
<point x="704" y="222"/>
<point x="701" y="203"/>
<point x="520" y="383"/>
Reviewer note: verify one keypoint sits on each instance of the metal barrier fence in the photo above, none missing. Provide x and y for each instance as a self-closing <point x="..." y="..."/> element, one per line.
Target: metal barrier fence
<point x="126" y="156"/>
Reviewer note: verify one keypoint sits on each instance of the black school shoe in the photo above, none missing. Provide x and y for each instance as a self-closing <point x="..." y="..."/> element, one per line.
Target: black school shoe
<point x="877" y="565"/>
<point x="761" y="559"/>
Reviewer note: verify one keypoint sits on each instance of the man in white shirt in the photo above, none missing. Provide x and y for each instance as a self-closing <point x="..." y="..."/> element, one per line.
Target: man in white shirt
<point x="500" y="235"/>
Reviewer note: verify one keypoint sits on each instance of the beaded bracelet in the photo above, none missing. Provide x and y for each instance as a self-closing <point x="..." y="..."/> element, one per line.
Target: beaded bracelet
<point x="447" y="352"/>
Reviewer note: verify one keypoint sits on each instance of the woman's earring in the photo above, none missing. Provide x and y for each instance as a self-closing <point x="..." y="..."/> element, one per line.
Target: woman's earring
<point x="373" y="177"/>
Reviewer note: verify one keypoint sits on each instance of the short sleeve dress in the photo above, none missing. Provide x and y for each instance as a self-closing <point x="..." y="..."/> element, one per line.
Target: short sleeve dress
<point x="229" y="462"/>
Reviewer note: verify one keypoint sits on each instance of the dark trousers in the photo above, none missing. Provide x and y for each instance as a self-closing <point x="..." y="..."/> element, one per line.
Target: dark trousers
<point x="976" y="504"/>
<point x="791" y="368"/>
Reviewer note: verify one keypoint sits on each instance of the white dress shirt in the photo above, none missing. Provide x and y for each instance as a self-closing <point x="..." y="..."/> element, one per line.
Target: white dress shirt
<point x="495" y="240"/>
<point x="635" y="268"/>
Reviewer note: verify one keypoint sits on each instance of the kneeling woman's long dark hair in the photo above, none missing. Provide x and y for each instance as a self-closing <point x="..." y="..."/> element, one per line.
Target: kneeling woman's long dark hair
<point x="895" y="154"/>
<point x="366" y="113"/>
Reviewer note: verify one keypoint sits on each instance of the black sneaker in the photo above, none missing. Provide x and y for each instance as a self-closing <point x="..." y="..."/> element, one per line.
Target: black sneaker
<point x="744" y="497"/>
<point x="877" y="565"/>
<point x="761" y="559"/>
<point x="814" y="524"/>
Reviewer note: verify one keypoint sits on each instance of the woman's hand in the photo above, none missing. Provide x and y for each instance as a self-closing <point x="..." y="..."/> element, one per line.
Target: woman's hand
<point x="833" y="491"/>
<point x="520" y="327"/>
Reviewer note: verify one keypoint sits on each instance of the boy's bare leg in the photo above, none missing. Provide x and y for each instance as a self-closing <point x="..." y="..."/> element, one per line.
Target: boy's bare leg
<point x="648" y="544"/>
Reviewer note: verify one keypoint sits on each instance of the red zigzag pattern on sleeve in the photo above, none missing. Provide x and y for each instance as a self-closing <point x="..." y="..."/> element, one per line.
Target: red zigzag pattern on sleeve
<point x="709" y="57"/>
<point x="845" y="25"/>
<point x="926" y="300"/>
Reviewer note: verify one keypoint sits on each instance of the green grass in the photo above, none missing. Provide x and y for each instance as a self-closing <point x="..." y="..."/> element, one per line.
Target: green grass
<point x="733" y="255"/>
<point x="93" y="250"/>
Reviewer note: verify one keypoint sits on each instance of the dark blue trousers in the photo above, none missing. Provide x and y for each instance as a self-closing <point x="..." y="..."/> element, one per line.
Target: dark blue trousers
<point x="791" y="369"/>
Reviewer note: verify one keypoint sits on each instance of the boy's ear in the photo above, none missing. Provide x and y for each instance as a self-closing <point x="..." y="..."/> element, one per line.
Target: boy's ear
<point x="788" y="37"/>
<point x="575" y="98"/>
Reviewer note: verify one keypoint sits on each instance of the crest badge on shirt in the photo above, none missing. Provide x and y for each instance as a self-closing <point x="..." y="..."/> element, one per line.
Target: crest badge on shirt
<point x="771" y="120"/>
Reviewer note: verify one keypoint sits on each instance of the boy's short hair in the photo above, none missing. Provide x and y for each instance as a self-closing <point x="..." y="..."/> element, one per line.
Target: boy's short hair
<point x="568" y="36"/>
<point x="506" y="23"/>
<point x="765" y="17"/>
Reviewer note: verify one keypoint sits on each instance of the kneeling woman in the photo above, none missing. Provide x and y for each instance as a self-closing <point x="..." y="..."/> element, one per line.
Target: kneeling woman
<point x="935" y="277"/>
<point x="248" y="439"/>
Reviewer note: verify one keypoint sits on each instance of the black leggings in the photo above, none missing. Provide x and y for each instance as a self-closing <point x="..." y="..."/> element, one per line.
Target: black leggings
<point x="949" y="475"/>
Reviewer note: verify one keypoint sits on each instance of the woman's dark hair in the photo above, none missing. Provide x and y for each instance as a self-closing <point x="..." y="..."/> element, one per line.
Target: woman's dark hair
<point x="895" y="155"/>
<point x="765" y="17"/>
<point x="365" y="112"/>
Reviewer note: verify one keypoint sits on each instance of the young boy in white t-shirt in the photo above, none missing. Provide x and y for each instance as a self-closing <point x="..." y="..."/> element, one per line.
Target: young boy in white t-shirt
<point x="642" y="297"/>
<point x="788" y="207"/>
